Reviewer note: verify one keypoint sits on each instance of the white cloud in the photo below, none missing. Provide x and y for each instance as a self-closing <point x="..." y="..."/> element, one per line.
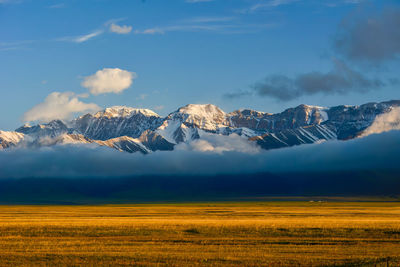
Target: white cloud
<point x="160" y="107"/>
<point x="107" y="26"/>
<point x="109" y="80"/>
<point x="216" y="28"/>
<point x="198" y="1"/>
<point x="84" y="38"/>
<point x="142" y="97"/>
<point x="124" y="29"/>
<point x="385" y="122"/>
<point x="208" y="19"/>
<point x="5" y="46"/>
<point x="375" y="152"/>
<point x="267" y="4"/>
<point x="220" y="144"/>
<point x="10" y="1"/>
<point x="151" y="31"/>
<point x="58" y="106"/>
<point x="60" y="5"/>
<point x="353" y="1"/>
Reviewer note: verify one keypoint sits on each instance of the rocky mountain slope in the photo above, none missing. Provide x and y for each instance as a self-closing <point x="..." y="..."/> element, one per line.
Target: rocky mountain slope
<point x="115" y="122"/>
<point x="10" y="139"/>
<point x="142" y="130"/>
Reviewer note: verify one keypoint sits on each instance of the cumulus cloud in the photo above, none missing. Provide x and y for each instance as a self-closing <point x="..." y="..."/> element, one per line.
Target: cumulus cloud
<point x="370" y="38"/>
<point x="109" y="80"/>
<point x="89" y="161"/>
<point x="341" y="80"/>
<point x="58" y="106"/>
<point x="124" y="29"/>
<point x="385" y="122"/>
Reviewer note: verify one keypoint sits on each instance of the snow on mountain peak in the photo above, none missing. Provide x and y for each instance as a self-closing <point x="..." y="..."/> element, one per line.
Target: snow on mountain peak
<point x="315" y="107"/>
<point x="182" y="124"/>
<point x="11" y="136"/>
<point x="123" y="111"/>
<point x="10" y="139"/>
<point x="201" y="109"/>
<point x="322" y="111"/>
<point x="202" y="114"/>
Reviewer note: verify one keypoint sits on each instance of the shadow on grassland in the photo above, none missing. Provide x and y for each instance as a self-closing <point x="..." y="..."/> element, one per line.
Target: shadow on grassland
<point x="144" y="189"/>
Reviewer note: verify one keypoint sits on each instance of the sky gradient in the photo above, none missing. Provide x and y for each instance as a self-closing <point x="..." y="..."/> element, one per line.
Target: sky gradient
<point x="266" y="55"/>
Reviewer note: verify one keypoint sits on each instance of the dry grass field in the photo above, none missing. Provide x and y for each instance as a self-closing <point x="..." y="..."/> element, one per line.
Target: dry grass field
<point x="214" y="234"/>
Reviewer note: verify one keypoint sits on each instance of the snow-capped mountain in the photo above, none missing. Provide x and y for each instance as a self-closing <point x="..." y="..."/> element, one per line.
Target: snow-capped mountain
<point x="10" y="139"/>
<point x="142" y="130"/>
<point x="52" y="129"/>
<point x="291" y="118"/>
<point x="124" y="143"/>
<point x="340" y="122"/>
<point x="184" y="124"/>
<point x="115" y="122"/>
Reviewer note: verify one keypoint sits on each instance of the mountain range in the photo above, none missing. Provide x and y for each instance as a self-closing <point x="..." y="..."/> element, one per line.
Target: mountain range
<point x="142" y="130"/>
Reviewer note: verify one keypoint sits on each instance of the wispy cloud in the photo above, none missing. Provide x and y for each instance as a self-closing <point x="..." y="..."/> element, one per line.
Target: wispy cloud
<point x="61" y="5"/>
<point x="109" y="25"/>
<point x="10" y="1"/>
<point x="267" y="5"/>
<point x="217" y="28"/>
<point x="336" y="3"/>
<point x="84" y="38"/>
<point x="151" y="31"/>
<point x="198" y="1"/>
<point x="158" y="108"/>
<point x="208" y="19"/>
<point x="142" y="97"/>
<point x="124" y="29"/>
<point x="17" y="45"/>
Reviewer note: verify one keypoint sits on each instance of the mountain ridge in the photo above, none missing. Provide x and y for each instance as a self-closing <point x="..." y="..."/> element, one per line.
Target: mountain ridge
<point x="143" y="130"/>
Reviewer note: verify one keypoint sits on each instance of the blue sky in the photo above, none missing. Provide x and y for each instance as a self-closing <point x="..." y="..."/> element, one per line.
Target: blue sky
<point x="181" y="52"/>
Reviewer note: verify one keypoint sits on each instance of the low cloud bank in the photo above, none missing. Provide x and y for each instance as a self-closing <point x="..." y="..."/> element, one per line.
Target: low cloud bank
<point x="375" y="152"/>
<point x="220" y="144"/>
<point x="385" y="122"/>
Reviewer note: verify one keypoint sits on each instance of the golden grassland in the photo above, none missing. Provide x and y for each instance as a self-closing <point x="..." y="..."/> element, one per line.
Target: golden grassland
<point x="213" y="234"/>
